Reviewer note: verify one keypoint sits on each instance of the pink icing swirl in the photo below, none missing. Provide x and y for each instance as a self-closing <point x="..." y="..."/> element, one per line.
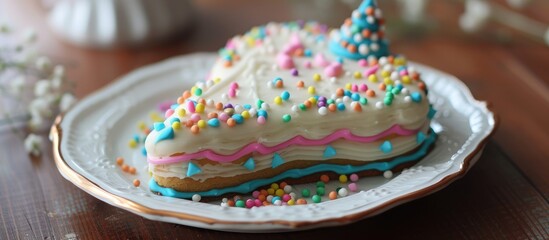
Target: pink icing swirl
<point x="297" y="140"/>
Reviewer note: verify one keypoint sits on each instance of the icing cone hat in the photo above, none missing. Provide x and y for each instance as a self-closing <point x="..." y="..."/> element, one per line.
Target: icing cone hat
<point x="362" y="35"/>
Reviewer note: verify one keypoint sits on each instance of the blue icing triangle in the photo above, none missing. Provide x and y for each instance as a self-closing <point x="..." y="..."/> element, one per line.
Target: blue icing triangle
<point x="329" y="152"/>
<point x="250" y="164"/>
<point x="277" y="160"/>
<point x="386" y="147"/>
<point x="164" y="134"/>
<point x="420" y="137"/>
<point x="192" y="169"/>
<point x="158" y="126"/>
<point x="432" y="112"/>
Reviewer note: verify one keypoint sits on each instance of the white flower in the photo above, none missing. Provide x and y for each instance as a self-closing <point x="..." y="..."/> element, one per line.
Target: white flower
<point x="17" y="85"/>
<point x="43" y="63"/>
<point x="67" y="100"/>
<point x="42" y="87"/>
<point x="36" y="122"/>
<point x="33" y="144"/>
<point x="40" y="107"/>
<point x="59" y="71"/>
<point x="56" y="83"/>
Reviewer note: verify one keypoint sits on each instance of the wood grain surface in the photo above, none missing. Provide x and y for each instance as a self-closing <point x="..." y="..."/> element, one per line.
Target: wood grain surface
<point x="504" y="196"/>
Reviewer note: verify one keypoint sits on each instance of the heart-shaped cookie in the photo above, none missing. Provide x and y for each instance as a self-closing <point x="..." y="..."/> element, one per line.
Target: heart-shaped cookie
<point x="292" y="101"/>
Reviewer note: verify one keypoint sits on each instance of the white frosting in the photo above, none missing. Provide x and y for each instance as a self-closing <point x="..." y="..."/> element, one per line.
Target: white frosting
<point x="254" y="73"/>
<point x="345" y="150"/>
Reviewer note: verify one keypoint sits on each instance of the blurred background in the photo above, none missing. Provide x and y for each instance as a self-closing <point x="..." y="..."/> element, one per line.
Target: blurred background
<point x="499" y="48"/>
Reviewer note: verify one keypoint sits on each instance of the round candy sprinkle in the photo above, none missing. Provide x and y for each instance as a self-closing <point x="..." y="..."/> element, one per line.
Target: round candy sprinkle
<point x="201" y="124"/>
<point x="278" y="100"/>
<point x="342" y="178"/>
<point x="275" y="186"/>
<point x="311" y="90"/>
<point x="320" y="184"/>
<point x="388" y="174"/>
<point x="316" y="199"/>
<point x="258" y="203"/>
<point x="291" y="202"/>
<point x="305" y="192"/>
<point x="332" y="195"/>
<point x="287" y="189"/>
<point x="196" y="198"/>
<point x="324" y="178"/>
<point x="353" y="187"/>
<point x="322" y="111"/>
<point x="198" y="91"/>
<point x="287" y="118"/>
<point x="275" y="198"/>
<point x="300" y="84"/>
<point x="231" y="203"/>
<point x="286" y="197"/>
<point x="250" y="203"/>
<point x="279" y="192"/>
<point x="354" y="177"/>
<point x="245" y="114"/>
<point x="294" y="72"/>
<point x="301" y="201"/>
<point x="316" y="77"/>
<point x="261" y="120"/>
<point x="341" y="106"/>
<point x="231" y="122"/>
<point x="320" y="191"/>
<point x="136" y="182"/>
<point x="255" y="194"/>
<point x="342" y="192"/>
<point x="370" y="93"/>
<point x="240" y="203"/>
<point x="195" y="129"/>
<point x="285" y="95"/>
<point x="119" y="161"/>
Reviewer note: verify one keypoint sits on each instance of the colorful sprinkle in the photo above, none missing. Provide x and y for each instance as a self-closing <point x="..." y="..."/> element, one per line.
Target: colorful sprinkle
<point x="386" y="147"/>
<point x="286" y="118"/>
<point x="193" y="169"/>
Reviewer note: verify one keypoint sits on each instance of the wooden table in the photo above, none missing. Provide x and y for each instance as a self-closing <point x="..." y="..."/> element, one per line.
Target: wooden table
<point x="504" y="196"/>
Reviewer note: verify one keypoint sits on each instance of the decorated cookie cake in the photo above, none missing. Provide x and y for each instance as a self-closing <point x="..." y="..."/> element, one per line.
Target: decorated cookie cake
<point x="294" y="103"/>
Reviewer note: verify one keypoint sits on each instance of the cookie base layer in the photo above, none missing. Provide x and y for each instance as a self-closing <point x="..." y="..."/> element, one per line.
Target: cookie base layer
<point x="302" y="173"/>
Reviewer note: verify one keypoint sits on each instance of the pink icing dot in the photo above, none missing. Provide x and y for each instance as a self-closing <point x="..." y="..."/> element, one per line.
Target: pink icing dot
<point x="308" y="64"/>
<point x="234" y="85"/>
<point x="333" y="70"/>
<point x="232" y="93"/>
<point x="353" y="187"/>
<point x="354" y="88"/>
<point x="190" y="107"/>
<point x="362" y="62"/>
<point x="261" y="120"/>
<point x="223" y="117"/>
<point x="403" y="73"/>
<point x="363" y="88"/>
<point x="168" y="113"/>
<point x="195" y="117"/>
<point x="284" y="61"/>
<point x="250" y="203"/>
<point x="258" y="203"/>
<point x="320" y="60"/>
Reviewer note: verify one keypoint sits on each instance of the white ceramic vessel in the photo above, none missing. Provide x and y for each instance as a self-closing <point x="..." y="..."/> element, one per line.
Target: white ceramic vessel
<point x="90" y="136"/>
<point x="118" y="23"/>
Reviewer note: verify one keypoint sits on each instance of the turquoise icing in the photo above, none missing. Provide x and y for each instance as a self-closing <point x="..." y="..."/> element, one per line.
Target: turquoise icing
<point x="192" y="169"/>
<point x="432" y="112"/>
<point x="386" y="147"/>
<point x="420" y="137"/>
<point x="329" y="152"/>
<point x="297" y="173"/>
<point x="250" y="164"/>
<point x="277" y="160"/>
<point x="159" y="126"/>
<point x="164" y="134"/>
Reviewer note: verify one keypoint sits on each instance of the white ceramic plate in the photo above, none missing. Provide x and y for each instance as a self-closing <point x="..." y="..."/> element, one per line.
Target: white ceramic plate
<point x="90" y="136"/>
